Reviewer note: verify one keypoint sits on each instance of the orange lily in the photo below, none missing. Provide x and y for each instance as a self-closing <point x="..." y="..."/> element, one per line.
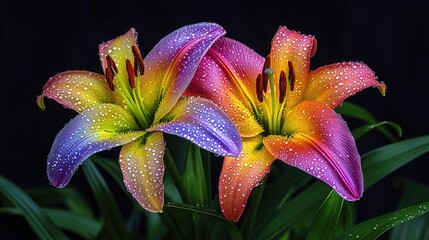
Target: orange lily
<point x="283" y="111"/>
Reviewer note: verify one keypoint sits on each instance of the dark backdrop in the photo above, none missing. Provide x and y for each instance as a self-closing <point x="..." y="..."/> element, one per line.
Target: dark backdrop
<point x="40" y="39"/>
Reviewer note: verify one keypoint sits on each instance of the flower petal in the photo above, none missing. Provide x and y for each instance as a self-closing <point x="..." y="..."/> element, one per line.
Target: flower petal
<point x="227" y="76"/>
<point x="200" y="121"/>
<point x="241" y="174"/>
<point x="142" y="165"/>
<point x="319" y="142"/>
<point x="119" y="50"/>
<point x="96" y="129"/>
<point x="172" y="63"/>
<point x="332" y="84"/>
<point x="291" y="46"/>
<point x="78" y="90"/>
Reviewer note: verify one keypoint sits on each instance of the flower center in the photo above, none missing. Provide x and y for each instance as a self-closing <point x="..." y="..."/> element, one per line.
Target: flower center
<point x="127" y="84"/>
<point x="273" y="102"/>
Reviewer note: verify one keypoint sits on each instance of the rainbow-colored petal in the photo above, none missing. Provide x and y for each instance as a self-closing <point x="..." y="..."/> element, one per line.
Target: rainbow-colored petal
<point x="96" y="129"/>
<point x="78" y="90"/>
<point x="172" y="63"/>
<point x="142" y="165"/>
<point x="203" y="123"/>
<point x="227" y="76"/>
<point x="332" y="84"/>
<point x="319" y="142"/>
<point x="241" y="174"/>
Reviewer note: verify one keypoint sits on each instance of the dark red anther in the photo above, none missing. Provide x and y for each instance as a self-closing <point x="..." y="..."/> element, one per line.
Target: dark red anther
<point x="109" y="78"/>
<point x="282" y="86"/>
<point x="267" y="64"/>
<point x="130" y="72"/>
<point x="111" y="64"/>
<point x="259" y="88"/>
<point x="291" y="76"/>
<point x="138" y="61"/>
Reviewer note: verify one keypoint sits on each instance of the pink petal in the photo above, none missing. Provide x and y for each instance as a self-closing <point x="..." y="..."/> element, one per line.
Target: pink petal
<point x="319" y="142"/>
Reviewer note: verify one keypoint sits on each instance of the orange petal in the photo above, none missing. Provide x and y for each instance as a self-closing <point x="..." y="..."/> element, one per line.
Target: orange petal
<point x="333" y="83"/>
<point x="142" y="165"/>
<point x="240" y="175"/>
<point x="296" y="48"/>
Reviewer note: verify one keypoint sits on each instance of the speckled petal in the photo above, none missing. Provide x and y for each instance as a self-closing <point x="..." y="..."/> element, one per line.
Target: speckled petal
<point x="200" y="121"/>
<point x="142" y="165"/>
<point x="319" y="142"/>
<point x="288" y="45"/>
<point x="119" y="49"/>
<point x="172" y="64"/>
<point x="78" y="90"/>
<point x="332" y="84"/>
<point x="96" y="129"/>
<point x="227" y="76"/>
<point x="240" y="175"/>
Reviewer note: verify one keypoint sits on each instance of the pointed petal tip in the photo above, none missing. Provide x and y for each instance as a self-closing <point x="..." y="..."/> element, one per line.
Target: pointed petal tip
<point x="40" y="102"/>
<point x="382" y="88"/>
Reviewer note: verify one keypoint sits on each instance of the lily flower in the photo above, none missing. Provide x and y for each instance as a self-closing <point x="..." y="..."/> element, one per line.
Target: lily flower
<point x="133" y="104"/>
<point x="283" y="111"/>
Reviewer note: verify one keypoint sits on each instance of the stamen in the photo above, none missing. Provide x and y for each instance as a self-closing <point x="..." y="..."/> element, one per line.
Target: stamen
<point x="109" y="78"/>
<point x="138" y="61"/>
<point x="130" y="72"/>
<point x="282" y="86"/>
<point x="291" y="76"/>
<point x="267" y="64"/>
<point x="259" y="88"/>
<point x="111" y="64"/>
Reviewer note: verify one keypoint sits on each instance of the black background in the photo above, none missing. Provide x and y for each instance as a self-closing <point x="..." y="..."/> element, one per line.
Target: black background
<point x="40" y="39"/>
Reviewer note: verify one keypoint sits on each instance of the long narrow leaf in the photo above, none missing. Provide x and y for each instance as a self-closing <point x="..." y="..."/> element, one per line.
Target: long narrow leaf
<point x="412" y="193"/>
<point x="82" y="226"/>
<point x="358" y="132"/>
<point x="382" y="161"/>
<point x="110" y="213"/>
<point x="233" y="231"/>
<point x="374" y="228"/>
<point x="295" y="212"/>
<point x="325" y="222"/>
<point x="352" y="110"/>
<point x="38" y="220"/>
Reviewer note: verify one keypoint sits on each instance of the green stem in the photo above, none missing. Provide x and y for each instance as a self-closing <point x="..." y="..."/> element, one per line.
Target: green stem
<point x="177" y="179"/>
<point x="249" y="221"/>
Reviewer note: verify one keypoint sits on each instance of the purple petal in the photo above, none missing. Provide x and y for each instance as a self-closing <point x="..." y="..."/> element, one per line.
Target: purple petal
<point x="94" y="130"/>
<point x="200" y="121"/>
<point x="172" y="63"/>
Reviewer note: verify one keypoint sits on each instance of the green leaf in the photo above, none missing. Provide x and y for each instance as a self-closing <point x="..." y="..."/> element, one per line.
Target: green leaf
<point x="294" y="212"/>
<point x="374" y="228"/>
<point x="326" y="219"/>
<point x="194" y="178"/>
<point x="230" y="227"/>
<point x="69" y="197"/>
<point x="412" y="193"/>
<point x="382" y="161"/>
<point x="114" y="224"/>
<point x="38" y="220"/>
<point x="358" y="132"/>
<point x="80" y="225"/>
<point x="352" y="110"/>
